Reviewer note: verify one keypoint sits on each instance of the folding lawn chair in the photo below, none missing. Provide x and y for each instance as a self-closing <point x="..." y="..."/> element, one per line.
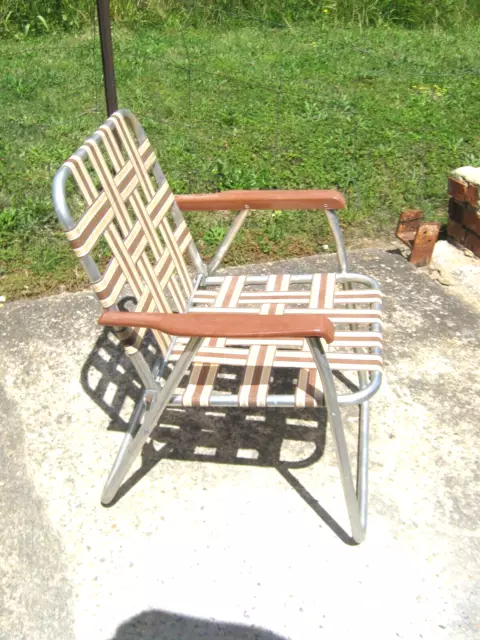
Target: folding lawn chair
<point x="260" y="325"/>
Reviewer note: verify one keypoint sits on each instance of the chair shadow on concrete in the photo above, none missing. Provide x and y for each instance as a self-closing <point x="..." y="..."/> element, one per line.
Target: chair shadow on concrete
<point x="164" y="625"/>
<point x="282" y="438"/>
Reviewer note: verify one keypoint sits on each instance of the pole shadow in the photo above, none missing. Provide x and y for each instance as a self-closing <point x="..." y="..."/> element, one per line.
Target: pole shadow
<point x="164" y="625"/>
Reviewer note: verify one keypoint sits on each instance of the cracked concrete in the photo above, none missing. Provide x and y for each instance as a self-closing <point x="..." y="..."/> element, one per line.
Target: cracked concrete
<point x="239" y="547"/>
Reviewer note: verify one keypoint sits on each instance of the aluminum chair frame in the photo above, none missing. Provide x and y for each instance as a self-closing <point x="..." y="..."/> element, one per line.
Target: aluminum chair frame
<point x="157" y="397"/>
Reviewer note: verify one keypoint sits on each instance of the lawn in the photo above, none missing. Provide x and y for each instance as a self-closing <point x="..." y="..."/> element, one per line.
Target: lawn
<point x="382" y="114"/>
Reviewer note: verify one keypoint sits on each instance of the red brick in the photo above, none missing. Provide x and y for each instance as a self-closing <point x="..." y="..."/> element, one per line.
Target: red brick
<point x="472" y="195"/>
<point x="465" y="215"/>
<point x="424" y="243"/>
<point x="408" y="224"/>
<point x="457" y="189"/>
<point x="472" y="242"/>
<point x="456" y="231"/>
<point x="455" y="211"/>
<point x="471" y="220"/>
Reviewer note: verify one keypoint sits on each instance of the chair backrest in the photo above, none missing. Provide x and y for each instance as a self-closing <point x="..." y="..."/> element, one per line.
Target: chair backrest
<point x="126" y="216"/>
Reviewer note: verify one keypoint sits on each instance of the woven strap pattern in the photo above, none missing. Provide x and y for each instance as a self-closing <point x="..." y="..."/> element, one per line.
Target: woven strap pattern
<point x="124" y="208"/>
<point x="256" y="365"/>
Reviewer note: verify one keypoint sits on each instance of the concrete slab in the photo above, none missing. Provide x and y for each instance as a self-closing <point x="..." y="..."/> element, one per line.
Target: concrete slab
<point x="455" y="266"/>
<point x="235" y="548"/>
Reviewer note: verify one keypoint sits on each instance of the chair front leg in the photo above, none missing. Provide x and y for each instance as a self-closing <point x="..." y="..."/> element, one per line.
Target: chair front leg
<point x="333" y="408"/>
<point x="133" y="442"/>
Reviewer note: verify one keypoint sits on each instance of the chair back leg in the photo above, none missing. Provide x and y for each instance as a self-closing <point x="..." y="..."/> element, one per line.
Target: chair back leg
<point x="362" y="463"/>
<point x="336" y="424"/>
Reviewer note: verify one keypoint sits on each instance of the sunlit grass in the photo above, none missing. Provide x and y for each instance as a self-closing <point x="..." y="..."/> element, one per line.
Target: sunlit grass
<point x="382" y="114"/>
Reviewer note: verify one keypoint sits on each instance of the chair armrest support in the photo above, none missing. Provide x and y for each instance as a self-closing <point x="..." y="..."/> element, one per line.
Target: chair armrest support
<point x="225" y="325"/>
<point x="262" y="199"/>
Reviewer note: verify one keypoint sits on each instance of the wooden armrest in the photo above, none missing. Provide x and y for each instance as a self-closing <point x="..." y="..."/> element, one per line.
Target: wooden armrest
<point x="256" y="199"/>
<point x="225" y="325"/>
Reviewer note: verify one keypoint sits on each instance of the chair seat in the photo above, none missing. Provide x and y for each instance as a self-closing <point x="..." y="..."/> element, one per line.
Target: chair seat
<point x="261" y="372"/>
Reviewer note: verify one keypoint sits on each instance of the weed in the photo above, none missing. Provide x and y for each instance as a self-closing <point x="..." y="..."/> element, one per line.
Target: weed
<point x="213" y="236"/>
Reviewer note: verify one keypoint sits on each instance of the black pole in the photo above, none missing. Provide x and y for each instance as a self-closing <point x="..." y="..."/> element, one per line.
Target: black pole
<point x="103" y="10"/>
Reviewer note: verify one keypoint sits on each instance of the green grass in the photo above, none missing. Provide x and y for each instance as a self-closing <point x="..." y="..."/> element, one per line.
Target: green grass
<point x="33" y="17"/>
<point x="383" y="114"/>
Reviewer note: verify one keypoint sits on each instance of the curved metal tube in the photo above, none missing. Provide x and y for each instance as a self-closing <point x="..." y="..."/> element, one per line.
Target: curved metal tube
<point x="62" y="175"/>
<point x="274" y="400"/>
<point x="339" y="242"/>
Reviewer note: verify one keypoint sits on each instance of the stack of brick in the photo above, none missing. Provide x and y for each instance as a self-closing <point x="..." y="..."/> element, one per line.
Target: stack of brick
<point x="464" y="207"/>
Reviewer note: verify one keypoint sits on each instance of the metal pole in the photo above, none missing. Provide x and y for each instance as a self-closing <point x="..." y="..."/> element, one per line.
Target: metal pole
<point x="103" y="10"/>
